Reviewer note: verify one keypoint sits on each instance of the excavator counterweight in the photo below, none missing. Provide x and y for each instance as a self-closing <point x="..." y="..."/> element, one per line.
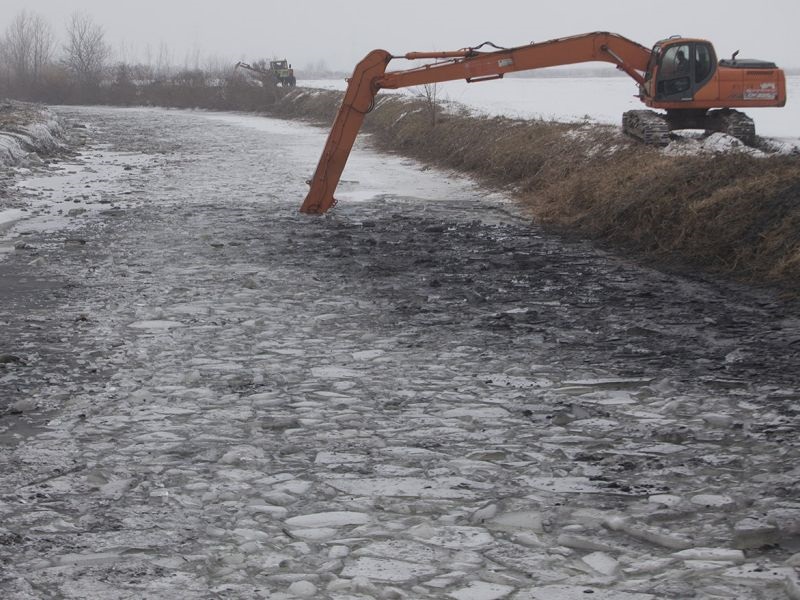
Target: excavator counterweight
<point x="679" y="75"/>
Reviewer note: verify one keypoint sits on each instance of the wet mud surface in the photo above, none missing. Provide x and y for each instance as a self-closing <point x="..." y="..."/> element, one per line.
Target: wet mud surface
<point x="415" y="397"/>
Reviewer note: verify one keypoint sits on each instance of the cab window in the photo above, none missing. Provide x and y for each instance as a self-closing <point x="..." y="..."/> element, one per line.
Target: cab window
<point x="675" y="72"/>
<point x="676" y="61"/>
<point x="703" y="63"/>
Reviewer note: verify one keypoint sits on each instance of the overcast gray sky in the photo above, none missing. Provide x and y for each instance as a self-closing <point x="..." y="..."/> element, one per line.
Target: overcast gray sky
<point x="342" y="31"/>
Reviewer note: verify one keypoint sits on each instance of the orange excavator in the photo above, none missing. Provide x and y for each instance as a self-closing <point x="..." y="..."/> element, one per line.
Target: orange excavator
<point x="679" y="75"/>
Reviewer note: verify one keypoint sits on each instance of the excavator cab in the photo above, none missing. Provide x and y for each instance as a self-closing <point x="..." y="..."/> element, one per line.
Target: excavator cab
<point x="679" y="69"/>
<point x="697" y="91"/>
<point x="684" y="73"/>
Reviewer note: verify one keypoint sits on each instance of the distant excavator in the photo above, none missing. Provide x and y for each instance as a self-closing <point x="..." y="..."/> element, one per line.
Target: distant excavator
<point x="280" y="72"/>
<point x="679" y="75"/>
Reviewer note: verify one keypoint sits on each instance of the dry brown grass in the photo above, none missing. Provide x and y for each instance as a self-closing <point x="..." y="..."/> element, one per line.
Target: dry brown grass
<point x="727" y="213"/>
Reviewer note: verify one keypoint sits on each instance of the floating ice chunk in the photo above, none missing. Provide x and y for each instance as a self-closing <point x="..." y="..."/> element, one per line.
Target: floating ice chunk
<point x="338" y="551"/>
<point x="584" y="543"/>
<point x="792" y="586"/>
<point x="573" y="592"/>
<point x="561" y="485"/>
<point x="705" y="565"/>
<point x="760" y="572"/>
<point x="215" y="532"/>
<point x="713" y="554"/>
<point x="665" y="499"/>
<point x="787" y="520"/>
<point x="610" y="381"/>
<point x="338" y="458"/>
<point x="90" y="559"/>
<point x="329" y="519"/>
<point x="482" y="590"/>
<point x="665" y="449"/>
<point x="156" y="325"/>
<point x="712" y="500"/>
<point x="528" y="538"/>
<point x="754" y="533"/>
<point x="303" y="589"/>
<point x="241" y="454"/>
<point x="116" y="488"/>
<point x="503" y="380"/>
<point x="294" y="486"/>
<point x="407" y="550"/>
<point x="653" y="565"/>
<point x="484" y="513"/>
<point x="386" y="569"/>
<point x="453" y="537"/>
<point x="334" y="373"/>
<point x="601" y="562"/>
<point x="368" y="354"/>
<point x="718" y="420"/>
<point x="652" y="536"/>
<point x="516" y="520"/>
<point x="315" y="534"/>
<point x="406" y="487"/>
<point x="249" y="535"/>
<point x="478" y="412"/>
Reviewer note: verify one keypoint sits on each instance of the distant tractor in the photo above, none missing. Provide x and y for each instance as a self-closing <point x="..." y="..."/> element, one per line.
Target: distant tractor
<point x="284" y="72"/>
<point x="280" y="72"/>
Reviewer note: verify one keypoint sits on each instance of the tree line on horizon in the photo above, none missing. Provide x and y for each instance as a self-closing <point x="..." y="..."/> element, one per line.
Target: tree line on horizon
<point x="79" y="66"/>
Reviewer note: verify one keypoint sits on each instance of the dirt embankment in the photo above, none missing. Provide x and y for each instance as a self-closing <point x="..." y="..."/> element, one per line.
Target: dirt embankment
<point x="728" y="212"/>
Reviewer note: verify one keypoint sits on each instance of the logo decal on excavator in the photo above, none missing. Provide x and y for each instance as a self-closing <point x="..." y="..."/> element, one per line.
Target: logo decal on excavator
<point x="505" y="62"/>
<point x="767" y="91"/>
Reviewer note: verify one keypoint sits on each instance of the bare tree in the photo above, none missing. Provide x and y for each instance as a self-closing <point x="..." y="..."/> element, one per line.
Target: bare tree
<point x="43" y="46"/>
<point x="86" y="51"/>
<point x="429" y="94"/>
<point x="163" y="66"/>
<point x="27" y="46"/>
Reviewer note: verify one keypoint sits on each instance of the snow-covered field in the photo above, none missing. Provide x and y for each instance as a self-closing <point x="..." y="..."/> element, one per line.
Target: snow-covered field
<point x="602" y="99"/>
<point x="204" y="394"/>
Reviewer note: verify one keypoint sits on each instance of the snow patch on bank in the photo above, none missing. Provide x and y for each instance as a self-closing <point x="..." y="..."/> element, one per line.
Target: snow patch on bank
<point x="26" y="130"/>
<point x="716" y="143"/>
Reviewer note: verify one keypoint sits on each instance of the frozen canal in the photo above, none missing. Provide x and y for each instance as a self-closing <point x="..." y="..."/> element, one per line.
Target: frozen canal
<point x="205" y="394"/>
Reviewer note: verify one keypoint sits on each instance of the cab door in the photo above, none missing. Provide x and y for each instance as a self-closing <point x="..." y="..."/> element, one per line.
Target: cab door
<point x="684" y="67"/>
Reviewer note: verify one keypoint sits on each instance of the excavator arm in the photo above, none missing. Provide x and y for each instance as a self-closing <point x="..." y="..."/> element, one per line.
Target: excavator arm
<point x="471" y="64"/>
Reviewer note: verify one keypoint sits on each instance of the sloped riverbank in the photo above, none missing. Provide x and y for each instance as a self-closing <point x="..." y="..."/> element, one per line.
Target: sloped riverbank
<point x="717" y="207"/>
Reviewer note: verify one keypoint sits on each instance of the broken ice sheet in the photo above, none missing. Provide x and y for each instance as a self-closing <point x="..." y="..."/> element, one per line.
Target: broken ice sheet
<point x="482" y="590"/>
<point x="402" y="397"/>
<point x="329" y="519"/>
<point x="412" y="487"/>
<point x="567" y="485"/>
<point x="387" y="569"/>
<point x="155" y="325"/>
<point x="573" y="592"/>
<point x="452" y="537"/>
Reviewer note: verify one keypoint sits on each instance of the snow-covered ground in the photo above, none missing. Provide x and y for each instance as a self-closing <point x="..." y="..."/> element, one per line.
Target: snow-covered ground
<point x="421" y="396"/>
<point x="602" y="99"/>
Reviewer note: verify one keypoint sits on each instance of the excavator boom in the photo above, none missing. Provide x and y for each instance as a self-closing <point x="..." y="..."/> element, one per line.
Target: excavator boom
<point x="470" y="64"/>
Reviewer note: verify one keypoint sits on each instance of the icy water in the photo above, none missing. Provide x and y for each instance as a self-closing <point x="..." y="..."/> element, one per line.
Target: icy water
<point x="419" y="396"/>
